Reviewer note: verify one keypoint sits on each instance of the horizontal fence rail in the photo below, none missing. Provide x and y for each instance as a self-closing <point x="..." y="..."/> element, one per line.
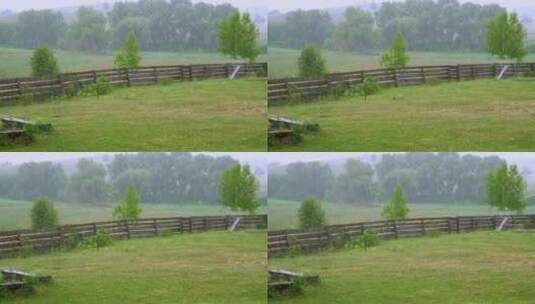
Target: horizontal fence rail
<point x="281" y="242"/>
<point x="306" y="89"/>
<point x="15" y="241"/>
<point x="41" y="88"/>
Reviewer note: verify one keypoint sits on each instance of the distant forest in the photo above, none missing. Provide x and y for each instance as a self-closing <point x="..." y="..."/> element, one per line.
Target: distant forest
<point x="159" y="178"/>
<point x="426" y="178"/>
<point x="158" y="24"/>
<point x="427" y="25"/>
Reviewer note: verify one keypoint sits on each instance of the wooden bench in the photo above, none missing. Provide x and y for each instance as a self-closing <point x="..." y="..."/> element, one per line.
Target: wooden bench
<point x="281" y="281"/>
<point x="15" y="136"/>
<point x="14" y="275"/>
<point x="12" y="286"/>
<point x="283" y="136"/>
<point x="278" y="122"/>
<point x="19" y="123"/>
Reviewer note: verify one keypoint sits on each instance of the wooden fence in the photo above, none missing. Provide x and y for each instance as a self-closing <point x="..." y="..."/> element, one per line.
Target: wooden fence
<point x="306" y="89"/>
<point x="39" y="88"/>
<point x="280" y="242"/>
<point x="12" y="242"/>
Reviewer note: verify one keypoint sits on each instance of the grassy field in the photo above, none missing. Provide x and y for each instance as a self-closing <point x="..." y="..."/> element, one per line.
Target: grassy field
<point x="16" y="214"/>
<point x="208" y="115"/>
<point x="283" y="62"/>
<point x="212" y="267"/>
<point x="479" y="115"/>
<point x="476" y="268"/>
<point x="16" y="62"/>
<point x="283" y="214"/>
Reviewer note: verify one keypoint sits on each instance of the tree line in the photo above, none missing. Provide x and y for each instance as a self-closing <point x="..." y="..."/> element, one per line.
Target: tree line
<point x="427" y="25"/>
<point x="425" y="178"/>
<point x="158" y="178"/>
<point x="159" y="25"/>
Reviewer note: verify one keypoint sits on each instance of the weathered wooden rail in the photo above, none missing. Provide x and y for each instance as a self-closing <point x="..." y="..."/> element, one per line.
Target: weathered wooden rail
<point x="306" y="89"/>
<point x="12" y="242"/>
<point x="281" y="242"/>
<point x="39" y="88"/>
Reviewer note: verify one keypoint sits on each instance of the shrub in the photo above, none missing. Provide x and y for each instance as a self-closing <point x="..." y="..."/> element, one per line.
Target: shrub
<point x="397" y="56"/>
<point x="531" y="71"/>
<point x="71" y="90"/>
<point x="368" y="239"/>
<point x="129" y="208"/>
<point x="369" y="87"/>
<point x="311" y="214"/>
<point x="43" y="62"/>
<point x="311" y="63"/>
<point x="396" y="208"/>
<point x="101" y="87"/>
<point x="43" y="214"/>
<point x="128" y="56"/>
<point x="101" y="239"/>
<point x="237" y="189"/>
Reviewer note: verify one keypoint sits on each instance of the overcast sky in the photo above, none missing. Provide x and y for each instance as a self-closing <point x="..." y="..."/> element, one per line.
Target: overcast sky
<point x="283" y="5"/>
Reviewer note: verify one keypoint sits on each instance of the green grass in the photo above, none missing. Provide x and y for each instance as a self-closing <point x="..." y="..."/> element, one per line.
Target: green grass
<point x="283" y="214"/>
<point x="283" y="62"/>
<point x="212" y="267"/>
<point x="16" y="62"/>
<point x="479" y="115"/>
<point x="16" y="214"/>
<point x="208" y="115"/>
<point x="476" y="268"/>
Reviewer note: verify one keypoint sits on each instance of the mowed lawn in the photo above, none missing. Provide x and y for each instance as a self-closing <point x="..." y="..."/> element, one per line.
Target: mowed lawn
<point x="283" y="214"/>
<point x="15" y="62"/>
<point x="476" y="268"/>
<point x="480" y="115"/>
<point x="208" y="115"/>
<point x="16" y="214"/>
<point x="211" y="267"/>
<point x="283" y="62"/>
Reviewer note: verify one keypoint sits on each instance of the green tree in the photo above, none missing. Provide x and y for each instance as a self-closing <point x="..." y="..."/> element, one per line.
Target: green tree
<point x="128" y="56"/>
<point x="43" y="62"/>
<point x="397" y="56"/>
<point x="506" y="189"/>
<point x="129" y="208"/>
<point x="238" y="37"/>
<point x="89" y="184"/>
<point x="237" y="189"/>
<point x="396" y="208"/>
<point x="43" y="214"/>
<point x="311" y="63"/>
<point x="311" y="214"/>
<point x="507" y="37"/>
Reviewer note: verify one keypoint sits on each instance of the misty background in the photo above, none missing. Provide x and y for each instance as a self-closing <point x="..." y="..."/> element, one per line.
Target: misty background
<point x="102" y="178"/>
<point x="368" y="179"/>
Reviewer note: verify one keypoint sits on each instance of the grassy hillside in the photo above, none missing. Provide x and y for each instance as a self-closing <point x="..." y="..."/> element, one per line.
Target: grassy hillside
<point x="481" y="115"/>
<point x="16" y="62"/>
<point x="479" y="267"/>
<point x="283" y="62"/>
<point x="283" y="214"/>
<point x="196" y="268"/>
<point x="16" y="214"/>
<point x="208" y="115"/>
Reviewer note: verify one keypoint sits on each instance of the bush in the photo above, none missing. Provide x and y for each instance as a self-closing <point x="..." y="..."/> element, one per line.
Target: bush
<point x="369" y="87"/>
<point x="101" y="239"/>
<point x="129" y="207"/>
<point x="396" y="208"/>
<point x="128" y="56"/>
<point x="531" y="71"/>
<point x="43" y="62"/>
<point x="311" y="63"/>
<point x="43" y="214"/>
<point x="311" y="214"/>
<point x="71" y="90"/>
<point x="368" y="239"/>
<point x="99" y="88"/>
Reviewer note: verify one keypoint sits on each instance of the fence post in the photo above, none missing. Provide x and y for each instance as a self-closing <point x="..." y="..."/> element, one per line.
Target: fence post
<point x="396" y="233"/>
<point x="423" y="226"/>
<point x="190" y="73"/>
<point x="396" y="80"/>
<point x="127" y="73"/>
<point x="494" y="71"/>
<point x="60" y="82"/>
<point x="94" y="76"/>
<point x="473" y="71"/>
<point x="458" y="72"/>
<point x="155" y="74"/>
<point x="458" y="225"/>
<point x="94" y="228"/>
<point x="424" y="79"/>
<point x="449" y="225"/>
<point x="155" y="224"/>
<point x="472" y="223"/>
<point x="127" y="226"/>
